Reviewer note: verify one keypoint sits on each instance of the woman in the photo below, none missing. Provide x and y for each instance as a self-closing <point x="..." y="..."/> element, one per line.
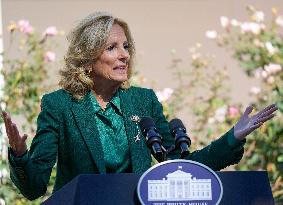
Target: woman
<point x="89" y="124"/>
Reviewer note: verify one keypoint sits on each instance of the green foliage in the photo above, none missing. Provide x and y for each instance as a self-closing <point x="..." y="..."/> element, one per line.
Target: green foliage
<point x="24" y="77"/>
<point x="258" y="48"/>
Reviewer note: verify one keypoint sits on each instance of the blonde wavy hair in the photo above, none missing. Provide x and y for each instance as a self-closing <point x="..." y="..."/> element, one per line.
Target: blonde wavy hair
<point x="87" y="41"/>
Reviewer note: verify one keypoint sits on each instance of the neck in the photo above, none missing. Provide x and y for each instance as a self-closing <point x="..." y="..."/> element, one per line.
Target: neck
<point x="104" y="93"/>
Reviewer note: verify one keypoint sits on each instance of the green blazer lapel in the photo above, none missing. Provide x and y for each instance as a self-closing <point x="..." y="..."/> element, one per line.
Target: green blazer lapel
<point x="140" y="156"/>
<point x="84" y="116"/>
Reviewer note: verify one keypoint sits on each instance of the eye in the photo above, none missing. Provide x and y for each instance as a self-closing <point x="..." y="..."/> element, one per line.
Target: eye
<point x="110" y="48"/>
<point x="126" y="46"/>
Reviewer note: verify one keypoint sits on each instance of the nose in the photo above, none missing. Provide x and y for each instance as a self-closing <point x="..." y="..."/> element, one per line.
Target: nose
<point x="124" y="55"/>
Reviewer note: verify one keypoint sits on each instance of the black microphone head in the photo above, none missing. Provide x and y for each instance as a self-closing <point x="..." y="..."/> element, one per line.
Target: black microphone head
<point x="176" y="124"/>
<point x="146" y="123"/>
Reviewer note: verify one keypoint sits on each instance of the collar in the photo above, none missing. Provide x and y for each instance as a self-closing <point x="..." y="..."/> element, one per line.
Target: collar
<point x="115" y="102"/>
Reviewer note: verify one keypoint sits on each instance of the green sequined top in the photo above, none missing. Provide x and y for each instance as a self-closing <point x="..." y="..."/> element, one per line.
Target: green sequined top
<point x="112" y="135"/>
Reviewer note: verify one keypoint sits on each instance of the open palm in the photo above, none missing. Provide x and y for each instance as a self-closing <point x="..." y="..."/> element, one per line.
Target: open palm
<point x="16" y="141"/>
<point x="248" y="124"/>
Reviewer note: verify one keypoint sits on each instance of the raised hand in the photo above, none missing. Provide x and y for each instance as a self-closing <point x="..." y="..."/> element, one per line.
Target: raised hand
<point x="248" y="124"/>
<point x="16" y="141"/>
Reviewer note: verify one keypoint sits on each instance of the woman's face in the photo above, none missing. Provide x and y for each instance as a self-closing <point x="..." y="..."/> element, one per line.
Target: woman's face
<point x="112" y="65"/>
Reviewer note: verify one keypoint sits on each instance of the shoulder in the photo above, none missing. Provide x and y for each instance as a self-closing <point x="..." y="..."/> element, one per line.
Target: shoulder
<point x="142" y="98"/>
<point x="139" y="91"/>
<point x="61" y="93"/>
<point x="56" y="99"/>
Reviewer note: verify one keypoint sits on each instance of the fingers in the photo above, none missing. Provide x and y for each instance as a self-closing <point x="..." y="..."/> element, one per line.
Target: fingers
<point x="251" y="129"/>
<point x="267" y="110"/>
<point x="8" y="126"/>
<point x="248" y="110"/>
<point x="5" y="118"/>
<point x="254" y="127"/>
<point x="266" y="114"/>
<point x="264" y="119"/>
<point x="260" y="122"/>
<point x="9" y="130"/>
<point x="15" y="130"/>
<point x="12" y="132"/>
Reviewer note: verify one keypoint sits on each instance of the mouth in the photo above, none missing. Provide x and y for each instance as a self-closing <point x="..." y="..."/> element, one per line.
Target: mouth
<point x="121" y="69"/>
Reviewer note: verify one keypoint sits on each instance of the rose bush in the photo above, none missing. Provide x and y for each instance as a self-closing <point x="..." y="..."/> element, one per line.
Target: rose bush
<point x="256" y="44"/>
<point x="24" y="76"/>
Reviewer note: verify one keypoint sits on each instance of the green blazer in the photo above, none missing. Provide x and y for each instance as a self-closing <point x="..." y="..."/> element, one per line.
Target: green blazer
<point x="67" y="134"/>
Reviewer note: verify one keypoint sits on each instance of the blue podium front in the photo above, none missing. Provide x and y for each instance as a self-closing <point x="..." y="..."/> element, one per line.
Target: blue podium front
<point x="239" y="188"/>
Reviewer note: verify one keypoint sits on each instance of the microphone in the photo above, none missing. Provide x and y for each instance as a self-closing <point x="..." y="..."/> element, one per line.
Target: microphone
<point x="153" y="138"/>
<point x="182" y="140"/>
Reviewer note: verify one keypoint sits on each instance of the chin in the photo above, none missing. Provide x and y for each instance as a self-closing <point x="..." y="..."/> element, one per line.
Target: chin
<point x="119" y="81"/>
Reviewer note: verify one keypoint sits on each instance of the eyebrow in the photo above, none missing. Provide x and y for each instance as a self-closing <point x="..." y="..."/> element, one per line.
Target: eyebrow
<point x="115" y="43"/>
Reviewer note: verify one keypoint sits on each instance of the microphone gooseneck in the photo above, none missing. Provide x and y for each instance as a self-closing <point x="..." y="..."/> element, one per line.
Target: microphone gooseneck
<point x="182" y="140"/>
<point x="153" y="138"/>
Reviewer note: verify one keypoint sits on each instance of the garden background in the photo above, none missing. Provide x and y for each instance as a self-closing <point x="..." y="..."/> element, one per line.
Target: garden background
<point x="211" y="57"/>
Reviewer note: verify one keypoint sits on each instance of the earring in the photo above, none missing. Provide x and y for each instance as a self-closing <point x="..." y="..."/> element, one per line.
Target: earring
<point x="88" y="71"/>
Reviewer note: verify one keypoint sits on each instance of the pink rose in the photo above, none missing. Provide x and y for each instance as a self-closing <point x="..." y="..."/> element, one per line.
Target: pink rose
<point x="24" y="26"/>
<point x="272" y="68"/>
<point x="50" y="31"/>
<point x="233" y="111"/>
<point x="49" y="56"/>
<point x="164" y="95"/>
<point x="252" y="27"/>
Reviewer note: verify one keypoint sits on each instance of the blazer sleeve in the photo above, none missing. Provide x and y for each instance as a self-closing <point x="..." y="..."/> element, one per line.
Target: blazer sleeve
<point x="221" y="153"/>
<point x="31" y="172"/>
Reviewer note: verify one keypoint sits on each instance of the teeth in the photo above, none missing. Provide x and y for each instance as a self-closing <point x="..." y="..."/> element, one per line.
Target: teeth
<point x="120" y="68"/>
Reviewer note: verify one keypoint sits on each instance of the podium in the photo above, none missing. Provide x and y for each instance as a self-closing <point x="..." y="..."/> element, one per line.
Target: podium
<point x="239" y="188"/>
